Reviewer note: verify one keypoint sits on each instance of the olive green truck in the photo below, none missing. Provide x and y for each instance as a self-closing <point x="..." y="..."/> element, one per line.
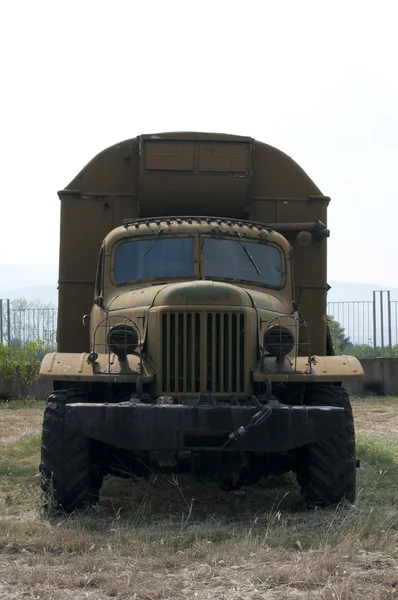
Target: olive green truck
<point x="192" y="328"/>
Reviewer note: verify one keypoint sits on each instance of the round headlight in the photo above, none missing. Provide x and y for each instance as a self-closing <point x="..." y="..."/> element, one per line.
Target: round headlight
<point x="123" y="339"/>
<point x="278" y="340"/>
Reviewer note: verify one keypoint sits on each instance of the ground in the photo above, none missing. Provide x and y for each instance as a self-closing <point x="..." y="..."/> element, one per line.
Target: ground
<point x="173" y="539"/>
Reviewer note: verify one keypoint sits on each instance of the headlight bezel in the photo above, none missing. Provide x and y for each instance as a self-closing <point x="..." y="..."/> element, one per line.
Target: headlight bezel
<point x="280" y="342"/>
<point x="126" y="339"/>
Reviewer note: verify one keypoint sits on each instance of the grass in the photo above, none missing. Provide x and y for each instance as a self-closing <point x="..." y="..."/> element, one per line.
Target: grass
<point x="169" y="539"/>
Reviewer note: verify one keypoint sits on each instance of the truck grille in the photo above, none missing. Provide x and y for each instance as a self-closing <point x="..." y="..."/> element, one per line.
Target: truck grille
<point x="203" y="352"/>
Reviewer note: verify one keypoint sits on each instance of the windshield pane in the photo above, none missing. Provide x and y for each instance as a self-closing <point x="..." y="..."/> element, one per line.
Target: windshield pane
<point x="249" y="261"/>
<point x="153" y="259"/>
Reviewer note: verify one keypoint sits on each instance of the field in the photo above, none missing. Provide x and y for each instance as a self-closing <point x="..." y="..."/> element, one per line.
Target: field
<point x="171" y="539"/>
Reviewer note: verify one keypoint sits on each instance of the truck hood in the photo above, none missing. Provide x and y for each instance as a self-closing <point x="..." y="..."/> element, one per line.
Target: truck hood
<point x="202" y="292"/>
<point x="140" y="298"/>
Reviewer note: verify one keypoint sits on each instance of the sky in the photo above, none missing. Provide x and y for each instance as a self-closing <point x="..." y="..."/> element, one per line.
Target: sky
<point x="318" y="80"/>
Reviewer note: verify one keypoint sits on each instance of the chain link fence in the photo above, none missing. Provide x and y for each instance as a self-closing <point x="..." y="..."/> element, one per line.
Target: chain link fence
<point x="19" y="326"/>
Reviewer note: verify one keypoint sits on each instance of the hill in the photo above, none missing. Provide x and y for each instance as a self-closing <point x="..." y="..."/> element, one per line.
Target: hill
<point x="345" y="292"/>
<point x="29" y="278"/>
<point x="33" y="281"/>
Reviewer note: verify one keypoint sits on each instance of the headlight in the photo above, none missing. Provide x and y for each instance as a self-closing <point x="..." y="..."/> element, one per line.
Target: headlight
<point x="278" y="340"/>
<point x="123" y="339"/>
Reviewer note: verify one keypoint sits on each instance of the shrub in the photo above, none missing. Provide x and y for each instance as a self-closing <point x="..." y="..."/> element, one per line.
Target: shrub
<point x="21" y="362"/>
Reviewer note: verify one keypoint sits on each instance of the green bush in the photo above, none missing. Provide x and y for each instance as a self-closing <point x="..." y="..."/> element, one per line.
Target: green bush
<point x="21" y="363"/>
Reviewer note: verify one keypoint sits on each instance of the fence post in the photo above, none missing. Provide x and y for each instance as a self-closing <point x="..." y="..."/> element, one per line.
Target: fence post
<point x="389" y="322"/>
<point x="8" y="322"/>
<point x="381" y="324"/>
<point x="374" y="324"/>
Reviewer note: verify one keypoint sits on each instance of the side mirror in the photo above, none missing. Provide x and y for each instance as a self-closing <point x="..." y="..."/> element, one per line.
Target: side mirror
<point x="99" y="301"/>
<point x="86" y="320"/>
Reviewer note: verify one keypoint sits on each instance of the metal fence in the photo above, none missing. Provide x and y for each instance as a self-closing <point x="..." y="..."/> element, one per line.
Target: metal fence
<point x="19" y="326"/>
<point x="370" y="327"/>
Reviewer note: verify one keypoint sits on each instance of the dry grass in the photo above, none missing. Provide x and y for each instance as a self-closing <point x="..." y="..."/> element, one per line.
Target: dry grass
<point x="16" y="424"/>
<point x="377" y="416"/>
<point x="167" y="539"/>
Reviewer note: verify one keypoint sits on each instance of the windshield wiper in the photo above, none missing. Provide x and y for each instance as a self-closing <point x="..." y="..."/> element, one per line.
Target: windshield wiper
<point x="249" y="255"/>
<point x="154" y="240"/>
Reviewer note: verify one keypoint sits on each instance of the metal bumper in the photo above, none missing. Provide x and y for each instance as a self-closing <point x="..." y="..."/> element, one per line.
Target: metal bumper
<point x="177" y="427"/>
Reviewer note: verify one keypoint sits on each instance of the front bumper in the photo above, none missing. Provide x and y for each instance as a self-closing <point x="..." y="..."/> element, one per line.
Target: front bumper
<point x="175" y="427"/>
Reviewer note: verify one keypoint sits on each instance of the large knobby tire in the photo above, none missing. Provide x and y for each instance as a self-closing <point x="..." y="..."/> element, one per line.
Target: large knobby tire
<point x="66" y="471"/>
<point x="326" y="470"/>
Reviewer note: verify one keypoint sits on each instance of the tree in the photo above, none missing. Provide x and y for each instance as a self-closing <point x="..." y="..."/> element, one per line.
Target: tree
<point x="341" y="342"/>
<point x="364" y="351"/>
<point x="361" y="350"/>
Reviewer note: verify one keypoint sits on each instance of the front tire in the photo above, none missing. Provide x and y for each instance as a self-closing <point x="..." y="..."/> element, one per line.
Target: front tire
<point x="65" y="468"/>
<point x="326" y="470"/>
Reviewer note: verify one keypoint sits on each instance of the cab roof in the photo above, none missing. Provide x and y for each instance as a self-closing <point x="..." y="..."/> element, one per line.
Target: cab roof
<point x="186" y="225"/>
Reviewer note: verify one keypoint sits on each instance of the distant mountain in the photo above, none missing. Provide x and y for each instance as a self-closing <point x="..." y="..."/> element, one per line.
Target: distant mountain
<point x="14" y="279"/>
<point x="48" y="294"/>
<point x="36" y="281"/>
<point x="345" y="292"/>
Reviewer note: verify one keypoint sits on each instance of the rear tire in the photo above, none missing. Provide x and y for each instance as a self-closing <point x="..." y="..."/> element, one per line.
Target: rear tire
<point x="326" y="470"/>
<point x="66" y="469"/>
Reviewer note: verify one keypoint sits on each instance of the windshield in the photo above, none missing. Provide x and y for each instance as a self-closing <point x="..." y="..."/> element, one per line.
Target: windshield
<point x="157" y="258"/>
<point x="239" y="259"/>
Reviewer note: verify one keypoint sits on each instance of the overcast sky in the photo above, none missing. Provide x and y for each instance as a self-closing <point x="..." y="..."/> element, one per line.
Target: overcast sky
<point x="316" y="79"/>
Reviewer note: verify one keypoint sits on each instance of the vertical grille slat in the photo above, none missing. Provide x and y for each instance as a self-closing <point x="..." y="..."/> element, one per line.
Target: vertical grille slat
<point x="213" y="354"/>
<point x="190" y="354"/>
<point x="217" y="355"/>
<point x="230" y="353"/>
<point x="221" y="355"/>
<point x="172" y="358"/>
<point x="202" y="352"/>
<point x="241" y="350"/>
<point x="165" y="378"/>
<point x="236" y="336"/>
<point x="203" y="345"/>
<point x="168" y="358"/>
<point x="185" y="352"/>
<point x="197" y="352"/>
<point x="209" y="346"/>
<point x="178" y="355"/>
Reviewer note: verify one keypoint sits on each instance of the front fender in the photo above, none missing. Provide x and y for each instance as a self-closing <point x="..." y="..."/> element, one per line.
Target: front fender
<point x="316" y="369"/>
<point x="66" y="366"/>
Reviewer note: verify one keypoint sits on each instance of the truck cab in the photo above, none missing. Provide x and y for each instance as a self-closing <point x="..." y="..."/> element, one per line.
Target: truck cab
<point x="199" y="301"/>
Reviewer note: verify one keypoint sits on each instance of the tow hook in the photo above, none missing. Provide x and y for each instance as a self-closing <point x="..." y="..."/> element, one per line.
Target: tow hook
<point x="257" y="419"/>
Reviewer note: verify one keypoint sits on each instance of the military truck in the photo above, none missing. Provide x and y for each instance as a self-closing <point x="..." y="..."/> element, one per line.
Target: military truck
<point x="192" y="327"/>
